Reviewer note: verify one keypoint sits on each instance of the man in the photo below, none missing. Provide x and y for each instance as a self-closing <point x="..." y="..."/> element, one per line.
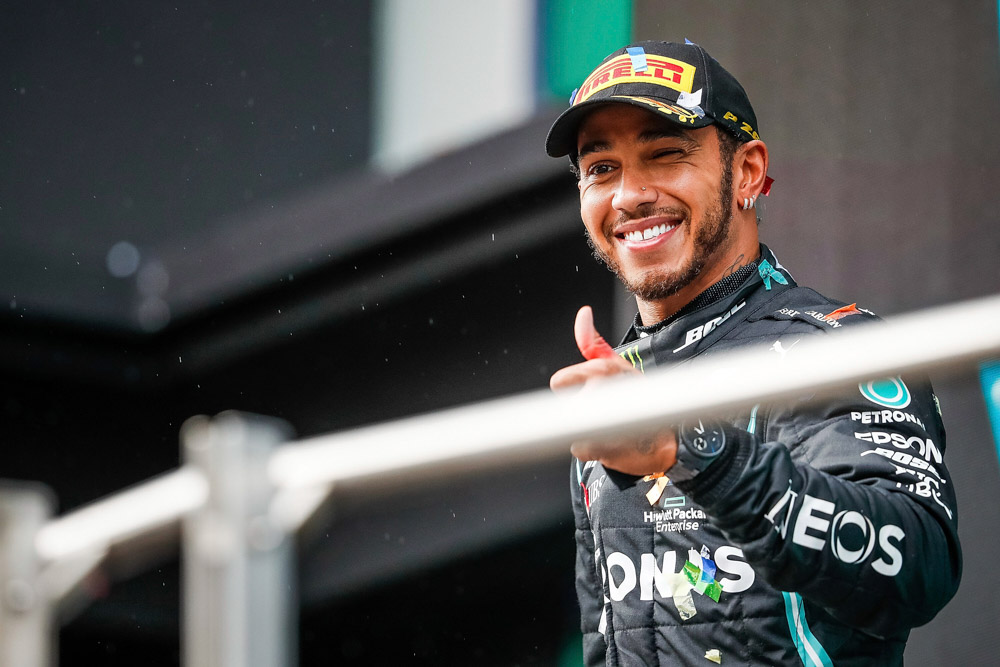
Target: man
<point x="814" y="533"/>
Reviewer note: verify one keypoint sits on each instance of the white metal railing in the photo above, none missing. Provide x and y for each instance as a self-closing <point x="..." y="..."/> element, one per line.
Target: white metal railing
<point x="239" y="496"/>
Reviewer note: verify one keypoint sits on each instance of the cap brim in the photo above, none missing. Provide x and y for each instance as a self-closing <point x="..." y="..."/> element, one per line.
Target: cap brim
<point x="561" y="139"/>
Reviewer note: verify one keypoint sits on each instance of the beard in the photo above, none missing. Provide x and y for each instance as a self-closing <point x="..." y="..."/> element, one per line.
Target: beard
<point x="712" y="236"/>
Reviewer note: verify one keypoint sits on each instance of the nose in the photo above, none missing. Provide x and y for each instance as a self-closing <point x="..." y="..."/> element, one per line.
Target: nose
<point x="634" y="189"/>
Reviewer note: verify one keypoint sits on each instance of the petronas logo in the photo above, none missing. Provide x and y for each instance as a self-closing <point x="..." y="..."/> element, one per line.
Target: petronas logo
<point x="888" y="392"/>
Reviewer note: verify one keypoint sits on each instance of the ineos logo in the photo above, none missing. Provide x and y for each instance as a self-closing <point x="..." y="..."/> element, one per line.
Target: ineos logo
<point x="852" y="518"/>
<point x="815" y="524"/>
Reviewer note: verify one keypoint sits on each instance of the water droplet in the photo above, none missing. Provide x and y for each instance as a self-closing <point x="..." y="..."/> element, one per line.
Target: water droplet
<point x="123" y="259"/>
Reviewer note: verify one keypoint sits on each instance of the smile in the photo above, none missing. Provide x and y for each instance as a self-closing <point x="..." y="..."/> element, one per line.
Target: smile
<point x="649" y="232"/>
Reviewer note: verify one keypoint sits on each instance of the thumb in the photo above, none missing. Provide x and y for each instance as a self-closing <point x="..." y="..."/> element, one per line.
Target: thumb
<point x="591" y="344"/>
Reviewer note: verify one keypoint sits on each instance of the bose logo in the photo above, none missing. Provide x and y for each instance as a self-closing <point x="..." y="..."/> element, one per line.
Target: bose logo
<point x="699" y="332"/>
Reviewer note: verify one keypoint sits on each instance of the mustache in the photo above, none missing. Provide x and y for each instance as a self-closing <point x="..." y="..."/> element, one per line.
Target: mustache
<point x="646" y="211"/>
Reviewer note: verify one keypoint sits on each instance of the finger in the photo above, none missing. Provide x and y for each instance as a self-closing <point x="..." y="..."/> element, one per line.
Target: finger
<point x="582" y="449"/>
<point x="587" y="371"/>
<point x="604" y="451"/>
<point x="574" y="376"/>
<point x="592" y="345"/>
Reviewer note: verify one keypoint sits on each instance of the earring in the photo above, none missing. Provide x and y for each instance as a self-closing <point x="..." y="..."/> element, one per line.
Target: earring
<point x="643" y="188"/>
<point x="749" y="202"/>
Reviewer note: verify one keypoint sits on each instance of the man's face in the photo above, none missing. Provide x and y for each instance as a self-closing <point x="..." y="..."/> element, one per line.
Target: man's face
<point x="655" y="198"/>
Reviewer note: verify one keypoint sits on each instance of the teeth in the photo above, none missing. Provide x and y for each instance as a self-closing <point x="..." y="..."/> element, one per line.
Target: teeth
<point x="649" y="233"/>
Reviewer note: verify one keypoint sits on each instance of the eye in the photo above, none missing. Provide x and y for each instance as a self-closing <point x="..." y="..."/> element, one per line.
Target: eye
<point x="599" y="169"/>
<point x="667" y="152"/>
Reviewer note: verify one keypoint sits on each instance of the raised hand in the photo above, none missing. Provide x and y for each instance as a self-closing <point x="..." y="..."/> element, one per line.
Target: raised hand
<point x="637" y="456"/>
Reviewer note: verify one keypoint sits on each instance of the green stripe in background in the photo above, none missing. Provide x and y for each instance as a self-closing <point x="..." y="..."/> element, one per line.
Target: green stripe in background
<point x="575" y="37"/>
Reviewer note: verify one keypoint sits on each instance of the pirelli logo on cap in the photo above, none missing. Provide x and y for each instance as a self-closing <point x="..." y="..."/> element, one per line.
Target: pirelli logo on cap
<point x="662" y="71"/>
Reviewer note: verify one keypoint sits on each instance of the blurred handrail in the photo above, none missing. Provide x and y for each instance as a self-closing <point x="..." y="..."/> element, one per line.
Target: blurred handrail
<point x="156" y="503"/>
<point x="539" y="424"/>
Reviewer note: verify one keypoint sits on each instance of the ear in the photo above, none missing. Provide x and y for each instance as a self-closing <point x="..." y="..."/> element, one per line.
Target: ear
<point x="750" y="169"/>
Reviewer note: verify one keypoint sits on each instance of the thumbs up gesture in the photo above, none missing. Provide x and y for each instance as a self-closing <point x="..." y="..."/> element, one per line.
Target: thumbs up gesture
<point x="601" y="360"/>
<point x="592" y="345"/>
<point x="637" y="456"/>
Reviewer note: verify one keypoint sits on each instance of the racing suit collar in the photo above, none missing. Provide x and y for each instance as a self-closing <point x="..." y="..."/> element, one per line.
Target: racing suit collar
<point x="722" y="290"/>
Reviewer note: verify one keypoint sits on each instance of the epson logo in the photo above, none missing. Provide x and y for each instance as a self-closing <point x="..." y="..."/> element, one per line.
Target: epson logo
<point x="925" y="446"/>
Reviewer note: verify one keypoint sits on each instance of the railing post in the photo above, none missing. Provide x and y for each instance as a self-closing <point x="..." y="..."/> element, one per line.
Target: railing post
<point x="27" y="633"/>
<point x="240" y="607"/>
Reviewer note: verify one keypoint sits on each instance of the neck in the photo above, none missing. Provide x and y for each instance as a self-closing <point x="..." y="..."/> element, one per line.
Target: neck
<point x="652" y="312"/>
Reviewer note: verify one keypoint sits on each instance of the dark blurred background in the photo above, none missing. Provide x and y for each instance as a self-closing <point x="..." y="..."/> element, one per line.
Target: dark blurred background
<point x="339" y="213"/>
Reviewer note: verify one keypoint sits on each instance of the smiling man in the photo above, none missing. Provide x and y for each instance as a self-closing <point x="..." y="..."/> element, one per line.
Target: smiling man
<point x="817" y="533"/>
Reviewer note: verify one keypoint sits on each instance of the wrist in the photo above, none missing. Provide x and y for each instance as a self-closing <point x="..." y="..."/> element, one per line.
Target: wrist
<point x="700" y="443"/>
<point x="717" y="482"/>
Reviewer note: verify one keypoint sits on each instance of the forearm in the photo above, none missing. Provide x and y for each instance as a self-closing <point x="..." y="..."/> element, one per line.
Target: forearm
<point x="872" y="556"/>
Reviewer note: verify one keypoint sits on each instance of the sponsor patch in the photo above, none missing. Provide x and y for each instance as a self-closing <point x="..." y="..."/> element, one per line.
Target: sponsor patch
<point x="744" y="127"/>
<point x="631" y="354"/>
<point x="659" y="70"/>
<point x="778" y="347"/>
<point x="675" y="519"/>
<point x="814" y="523"/>
<point x="905" y="462"/>
<point x="702" y="330"/>
<point x="825" y="319"/>
<point x="710" y="575"/>
<point x="887" y="392"/>
<point x="846" y="311"/>
<point x="812" y="315"/>
<point x="886" y="417"/>
<point x="924" y="446"/>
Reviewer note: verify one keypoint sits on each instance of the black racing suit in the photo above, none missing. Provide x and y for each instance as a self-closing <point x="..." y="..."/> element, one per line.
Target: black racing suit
<point x="822" y="534"/>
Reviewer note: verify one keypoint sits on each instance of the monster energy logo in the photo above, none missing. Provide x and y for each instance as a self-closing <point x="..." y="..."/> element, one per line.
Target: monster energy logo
<point x="631" y="354"/>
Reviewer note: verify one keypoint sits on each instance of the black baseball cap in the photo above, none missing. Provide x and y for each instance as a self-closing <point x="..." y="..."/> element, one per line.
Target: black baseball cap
<point x="680" y="81"/>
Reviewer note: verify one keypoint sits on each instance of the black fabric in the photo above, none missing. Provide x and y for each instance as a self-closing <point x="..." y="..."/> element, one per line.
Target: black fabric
<point x="831" y="525"/>
<point x="710" y="296"/>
